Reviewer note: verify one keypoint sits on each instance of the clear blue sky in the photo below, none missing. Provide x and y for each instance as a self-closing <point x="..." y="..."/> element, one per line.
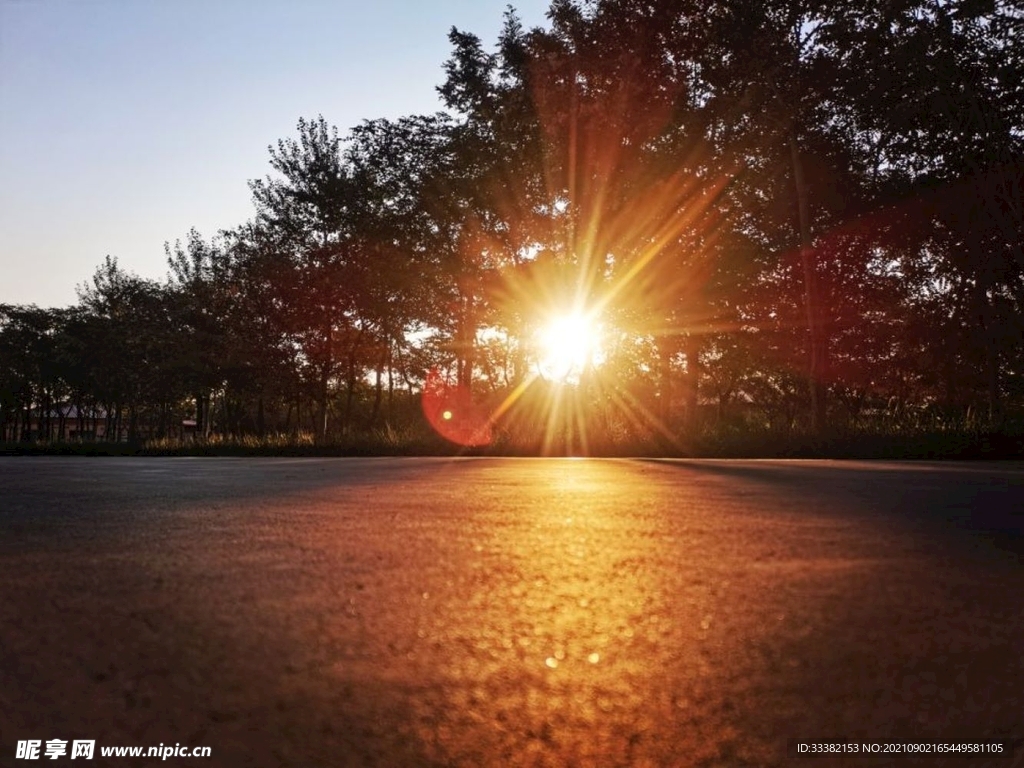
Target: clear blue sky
<point x="123" y="123"/>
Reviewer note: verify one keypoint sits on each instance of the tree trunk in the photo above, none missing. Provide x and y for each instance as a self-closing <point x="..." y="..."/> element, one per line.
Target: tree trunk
<point x="391" y="384"/>
<point x="321" y="427"/>
<point x="47" y="417"/>
<point x="198" y="396"/>
<point x="994" y="400"/>
<point x="292" y="407"/>
<point x="133" y="422"/>
<point x="378" y="391"/>
<point x="350" y="389"/>
<point x="665" y="349"/>
<point x="816" y="363"/>
<point x="991" y="351"/>
<point x="465" y="348"/>
<point x="691" y="381"/>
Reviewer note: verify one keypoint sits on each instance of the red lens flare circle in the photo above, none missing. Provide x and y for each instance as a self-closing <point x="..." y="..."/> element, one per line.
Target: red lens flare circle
<point x="451" y="413"/>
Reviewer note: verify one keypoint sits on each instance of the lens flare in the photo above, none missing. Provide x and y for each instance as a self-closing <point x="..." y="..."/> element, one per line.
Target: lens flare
<point x="450" y="411"/>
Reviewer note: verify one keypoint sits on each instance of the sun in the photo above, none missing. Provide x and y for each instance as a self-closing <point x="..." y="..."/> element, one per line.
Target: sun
<point x="568" y="345"/>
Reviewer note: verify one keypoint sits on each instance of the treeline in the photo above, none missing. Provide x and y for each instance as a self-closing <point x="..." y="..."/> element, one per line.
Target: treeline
<point x="787" y="213"/>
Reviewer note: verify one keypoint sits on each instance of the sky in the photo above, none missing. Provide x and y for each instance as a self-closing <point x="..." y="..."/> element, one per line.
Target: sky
<point x="124" y="123"/>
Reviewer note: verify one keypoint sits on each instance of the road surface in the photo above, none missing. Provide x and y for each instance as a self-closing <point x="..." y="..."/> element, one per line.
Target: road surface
<point x="522" y="612"/>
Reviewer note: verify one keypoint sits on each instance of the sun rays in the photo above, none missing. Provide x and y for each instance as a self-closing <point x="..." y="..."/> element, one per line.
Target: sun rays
<point x="617" y="242"/>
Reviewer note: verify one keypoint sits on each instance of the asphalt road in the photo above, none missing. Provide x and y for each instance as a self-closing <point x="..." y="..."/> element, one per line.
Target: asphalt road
<point x="558" y="612"/>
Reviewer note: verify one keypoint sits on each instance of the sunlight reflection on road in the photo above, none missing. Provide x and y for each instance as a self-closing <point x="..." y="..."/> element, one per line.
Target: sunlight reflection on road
<point x="578" y="615"/>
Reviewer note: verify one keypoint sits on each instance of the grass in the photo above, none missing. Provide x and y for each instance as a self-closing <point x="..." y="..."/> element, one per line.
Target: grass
<point x="883" y="441"/>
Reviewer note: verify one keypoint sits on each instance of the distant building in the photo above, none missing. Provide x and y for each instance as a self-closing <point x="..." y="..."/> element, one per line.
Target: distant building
<point x="65" y="422"/>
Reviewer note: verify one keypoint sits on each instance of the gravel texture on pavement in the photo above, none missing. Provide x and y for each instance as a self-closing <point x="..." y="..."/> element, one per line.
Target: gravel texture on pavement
<point x="519" y="612"/>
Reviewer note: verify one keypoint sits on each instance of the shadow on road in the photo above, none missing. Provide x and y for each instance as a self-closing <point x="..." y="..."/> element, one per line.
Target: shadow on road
<point x="986" y="499"/>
